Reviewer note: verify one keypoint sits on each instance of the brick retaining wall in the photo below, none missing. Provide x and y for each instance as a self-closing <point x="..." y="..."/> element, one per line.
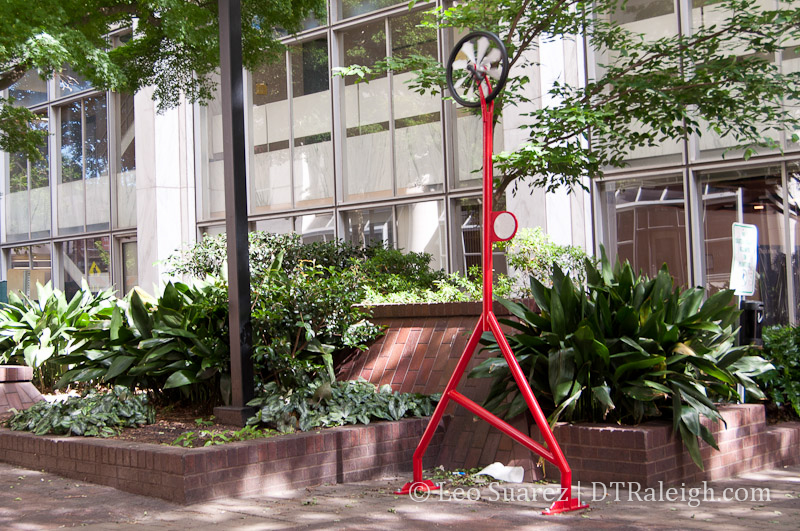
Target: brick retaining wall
<point x="190" y="475"/>
<point x="422" y="345"/>
<point x="418" y="353"/>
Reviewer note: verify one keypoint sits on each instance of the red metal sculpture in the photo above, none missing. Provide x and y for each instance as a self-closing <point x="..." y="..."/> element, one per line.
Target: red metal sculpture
<point x="475" y="59"/>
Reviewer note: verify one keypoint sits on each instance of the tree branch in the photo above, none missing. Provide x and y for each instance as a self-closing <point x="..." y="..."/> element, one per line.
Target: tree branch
<point x="9" y="77"/>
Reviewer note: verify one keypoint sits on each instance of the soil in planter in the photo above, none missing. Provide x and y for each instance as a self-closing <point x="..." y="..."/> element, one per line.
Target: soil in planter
<point x="172" y="422"/>
<point x="776" y="414"/>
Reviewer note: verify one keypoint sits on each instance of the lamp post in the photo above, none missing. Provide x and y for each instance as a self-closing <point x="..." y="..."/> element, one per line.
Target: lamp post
<point x="240" y="327"/>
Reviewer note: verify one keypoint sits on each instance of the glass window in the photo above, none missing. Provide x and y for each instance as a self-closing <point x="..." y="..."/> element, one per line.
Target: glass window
<point x="793" y="199"/>
<point x="653" y="19"/>
<point x="351" y="8"/>
<point x="130" y="266"/>
<point x="271" y="187"/>
<point x="125" y="138"/>
<point x="212" y="170"/>
<point x="646" y="223"/>
<point x="417" y="118"/>
<point x="28" y="199"/>
<point x="467" y="239"/>
<point x="311" y="119"/>
<point x="316" y="228"/>
<point x="420" y="229"/>
<point x="27" y="267"/>
<point x="84" y="192"/>
<point x="753" y="197"/>
<point x="88" y="259"/>
<point x="368" y="157"/>
<point x="274" y="225"/>
<point x="28" y="91"/>
<point x="69" y="82"/>
<point x="369" y="227"/>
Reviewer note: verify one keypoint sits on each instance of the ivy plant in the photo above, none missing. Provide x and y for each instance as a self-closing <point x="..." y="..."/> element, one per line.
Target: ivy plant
<point x="93" y="415"/>
<point x="322" y="404"/>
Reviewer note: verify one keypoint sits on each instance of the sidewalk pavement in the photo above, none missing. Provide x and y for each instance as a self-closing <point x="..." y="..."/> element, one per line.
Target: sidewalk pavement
<point x="32" y="500"/>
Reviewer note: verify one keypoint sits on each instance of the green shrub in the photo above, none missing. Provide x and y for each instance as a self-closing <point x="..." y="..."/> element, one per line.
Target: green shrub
<point x="34" y="333"/>
<point x="322" y="404"/>
<point x="627" y="350"/>
<point x="782" y="348"/>
<point x="179" y="342"/>
<point x="533" y="254"/>
<point x="301" y="318"/>
<point x="92" y="415"/>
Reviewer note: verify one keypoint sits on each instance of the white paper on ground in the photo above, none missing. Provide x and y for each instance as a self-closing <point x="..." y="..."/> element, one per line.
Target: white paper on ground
<point x="512" y="474"/>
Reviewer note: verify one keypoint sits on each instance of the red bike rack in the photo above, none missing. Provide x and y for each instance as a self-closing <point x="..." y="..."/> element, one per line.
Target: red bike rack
<point x="476" y="53"/>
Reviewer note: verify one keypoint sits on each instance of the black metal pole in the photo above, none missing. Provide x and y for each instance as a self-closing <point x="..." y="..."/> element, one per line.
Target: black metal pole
<point x="230" y="52"/>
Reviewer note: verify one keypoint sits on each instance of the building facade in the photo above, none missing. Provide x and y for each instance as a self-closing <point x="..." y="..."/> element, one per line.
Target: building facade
<point x="122" y="187"/>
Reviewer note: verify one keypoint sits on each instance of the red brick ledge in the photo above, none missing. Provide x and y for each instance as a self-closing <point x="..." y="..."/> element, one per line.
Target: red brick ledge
<point x="436" y="309"/>
<point x="191" y="475"/>
<point x="650" y="453"/>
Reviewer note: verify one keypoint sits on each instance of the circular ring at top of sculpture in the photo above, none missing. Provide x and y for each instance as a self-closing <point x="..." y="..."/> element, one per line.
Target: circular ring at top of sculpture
<point x="478" y="59"/>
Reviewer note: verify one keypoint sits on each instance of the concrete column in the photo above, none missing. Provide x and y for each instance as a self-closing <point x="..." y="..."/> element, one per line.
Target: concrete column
<point x="165" y="198"/>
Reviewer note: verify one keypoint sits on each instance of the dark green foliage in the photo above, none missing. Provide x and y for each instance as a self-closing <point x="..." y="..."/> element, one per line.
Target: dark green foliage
<point x="782" y="348"/>
<point x="301" y="317"/>
<point x="92" y="415"/>
<point x="175" y="48"/>
<point x="36" y="332"/>
<point x="322" y="404"/>
<point x="625" y="350"/>
<point x="179" y="341"/>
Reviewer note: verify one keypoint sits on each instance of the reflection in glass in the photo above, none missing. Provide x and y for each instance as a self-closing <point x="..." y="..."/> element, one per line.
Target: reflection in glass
<point x="96" y="141"/>
<point x="17" y="206"/>
<point x="271" y="184"/>
<point x="125" y="138"/>
<point x="130" y="266"/>
<point x="315" y="228"/>
<point x="40" y="187"/>
<point x="417" y="118"/>
<point x="793" y="199"/>
<point x="73" y="263"/>
<point x="351" y="8"/>
<point x="274" y="225"/>
<point x="311" y="116"/>
<point x="27" y="267"/>
<point x="420" y="229"/>
<point x="370" y="227"/>
<point x="647" y="225"/>
<point x="213" y="185"/>
<point x="71" y="143"/>
<point x="28" y="91"/>
<point x="68" y="81"/>
<point x="28" y="199"/>
<point x="368" y="157"/>
<point x="755" y="200"/>
<point x="467" y="231"/>
<point x="98" y="263"/>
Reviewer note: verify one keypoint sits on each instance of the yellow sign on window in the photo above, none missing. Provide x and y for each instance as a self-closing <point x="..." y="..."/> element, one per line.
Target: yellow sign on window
<point x="94" y="270"/>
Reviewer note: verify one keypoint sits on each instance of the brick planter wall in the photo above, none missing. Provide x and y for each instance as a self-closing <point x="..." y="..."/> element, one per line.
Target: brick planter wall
<point x="421" y="347"/>
<point x="418" y="353"/>
<point x="649" y="453"/>
<point x="190" y="475"/>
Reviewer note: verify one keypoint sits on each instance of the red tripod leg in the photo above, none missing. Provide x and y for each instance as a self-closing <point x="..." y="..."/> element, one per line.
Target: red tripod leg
<point x="565" y="502"/>
<point x="430" y="430"/>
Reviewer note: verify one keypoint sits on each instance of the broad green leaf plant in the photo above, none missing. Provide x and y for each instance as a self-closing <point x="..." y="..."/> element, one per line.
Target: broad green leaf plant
<point x="33" y="332"/>
<point x="624" y="349"/>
